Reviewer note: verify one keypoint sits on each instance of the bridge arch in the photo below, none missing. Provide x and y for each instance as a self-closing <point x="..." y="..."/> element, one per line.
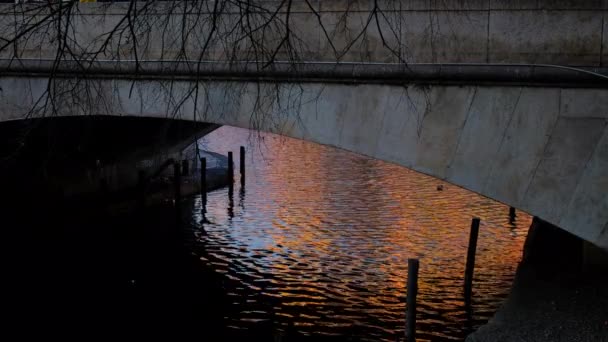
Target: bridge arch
<point x="542" y="150"/>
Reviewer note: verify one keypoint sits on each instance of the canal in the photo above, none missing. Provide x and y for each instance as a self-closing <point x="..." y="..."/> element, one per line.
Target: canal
<point x="315" y="247"/>
<point x="320" y="237"/>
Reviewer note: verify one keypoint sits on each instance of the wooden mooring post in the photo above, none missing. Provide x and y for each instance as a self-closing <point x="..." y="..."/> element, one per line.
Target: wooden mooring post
<point x="412" y="292"/>
<point x="512" y="214"/>
<point x="204" y="180"/>
<point x="230" y="170"/>
<point x="470" y="266"/>
<point x="242" y="165"/>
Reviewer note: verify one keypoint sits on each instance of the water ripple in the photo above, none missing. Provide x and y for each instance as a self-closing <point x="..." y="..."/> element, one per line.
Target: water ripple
<point x="321" y="239"/>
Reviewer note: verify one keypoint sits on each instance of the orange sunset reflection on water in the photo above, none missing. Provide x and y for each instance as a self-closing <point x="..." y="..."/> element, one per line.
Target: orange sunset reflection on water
<point x="321" y="238"/>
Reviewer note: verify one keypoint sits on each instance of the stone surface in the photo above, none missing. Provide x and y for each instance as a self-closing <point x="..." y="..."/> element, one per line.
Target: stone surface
<point x="602" y="240"/>
<point x="481" y="136"/>
<point x="511" y="144"/>
<point x="522" y="145"/>
<point x="588" y="206"/>
<point x="320" y="125"/>
<point x="546" y="4"/>
<point x="362" y="122"/>
<point x="552" y="298"/>
<point x="441" y="127"/>
<point x="604" y="56"/>
<point x="355" y="37"/>
<point x="422" y="31"/>
<point x="550" y="37"/>
<point x="445" y="36"/>
<point x="564" y="158"/>
<point x="584" y="103"/>
<point x="401" y="125"/>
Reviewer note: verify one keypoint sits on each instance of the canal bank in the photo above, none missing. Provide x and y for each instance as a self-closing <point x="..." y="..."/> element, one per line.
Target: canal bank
<point x="157" y="185"/>
<point x="560" y="292"/>
<point x="109" y="161"/>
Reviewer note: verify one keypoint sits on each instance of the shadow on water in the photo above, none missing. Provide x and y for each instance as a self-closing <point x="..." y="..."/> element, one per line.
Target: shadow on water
<point x="74" y="269"/>
<point x="317" y="253"/>
<point x="323" y="241"/>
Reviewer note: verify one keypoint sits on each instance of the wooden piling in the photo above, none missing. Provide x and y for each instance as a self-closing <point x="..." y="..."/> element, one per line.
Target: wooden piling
<point x="512" y="214"/>
<point x="470" y="266"/>
<point x="412" y="292"/>
<point x="231" y="201"/>
<point x="242" y="165"/>
<point x="230" y="170"/>
<point x="204" y="179"/>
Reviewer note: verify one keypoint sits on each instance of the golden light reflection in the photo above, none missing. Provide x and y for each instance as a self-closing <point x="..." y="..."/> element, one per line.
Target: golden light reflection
<point x="330" y="232"/>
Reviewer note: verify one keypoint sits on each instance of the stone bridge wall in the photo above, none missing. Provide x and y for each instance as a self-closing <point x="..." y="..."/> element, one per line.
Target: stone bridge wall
<point x="542" y="150"/>
<point x="567" y="32"/>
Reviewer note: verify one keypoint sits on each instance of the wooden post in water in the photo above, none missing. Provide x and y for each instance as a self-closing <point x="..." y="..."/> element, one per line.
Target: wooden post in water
<point x="468" y="272"/>
<point x="242" y="165"/>
<point x="204" y="180"/>
<point x="177" y="191"/>
<point x="512" y="214"/>
<point x="230" y="186"/>
<point x="185" y="167"/>
<point x="231" y="202"/>
<point x="230" y="170"/>
<point x="412" y="292"/>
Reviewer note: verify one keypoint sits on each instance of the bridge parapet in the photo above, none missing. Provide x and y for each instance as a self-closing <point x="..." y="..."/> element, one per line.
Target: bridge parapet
<point x="472" y="31"/>
<point x="471" y="97"/>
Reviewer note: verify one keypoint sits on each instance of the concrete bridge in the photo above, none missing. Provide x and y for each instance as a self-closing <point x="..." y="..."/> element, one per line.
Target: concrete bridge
<point x="503" y="98"/>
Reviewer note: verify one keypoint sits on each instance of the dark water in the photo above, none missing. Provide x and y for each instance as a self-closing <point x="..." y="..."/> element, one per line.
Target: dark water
<point x="316" y="244"/>
<point x="320" y="238"/>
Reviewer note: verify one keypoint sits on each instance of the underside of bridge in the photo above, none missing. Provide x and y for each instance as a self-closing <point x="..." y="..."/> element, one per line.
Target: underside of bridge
<point x="69" y="153"/>
<point x="65" y="157"/>
<point x="539" y="149"/>
<point x="504" y="98"/>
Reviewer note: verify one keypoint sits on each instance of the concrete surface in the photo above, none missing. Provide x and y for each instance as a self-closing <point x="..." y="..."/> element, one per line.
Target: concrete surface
<point x="472" y="31"/>
<point x="532" y="148"/>
<point x="560" y="293"/>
